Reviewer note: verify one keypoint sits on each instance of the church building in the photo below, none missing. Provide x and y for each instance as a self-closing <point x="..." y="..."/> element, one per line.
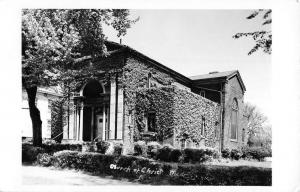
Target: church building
<point x="137" y="98"/>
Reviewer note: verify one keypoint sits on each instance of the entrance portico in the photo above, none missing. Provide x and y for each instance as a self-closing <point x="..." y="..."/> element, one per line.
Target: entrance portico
<point x="98" y="113"/>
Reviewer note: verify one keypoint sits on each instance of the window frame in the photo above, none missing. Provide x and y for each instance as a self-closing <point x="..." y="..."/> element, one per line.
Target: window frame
<point x="234" y="109"/>
<point x="147" y="121"/>
<point x="202" y="93"/>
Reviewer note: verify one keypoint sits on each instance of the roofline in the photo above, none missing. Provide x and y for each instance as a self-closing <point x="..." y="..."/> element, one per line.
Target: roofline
<point x="177" y="75"/>
<point x="222" y="79"/>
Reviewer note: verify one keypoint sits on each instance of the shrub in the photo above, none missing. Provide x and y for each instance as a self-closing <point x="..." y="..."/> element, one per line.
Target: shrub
<point x="30" y="153"/>
<point x="88" y="147"/>
<point x="194" y="155"/>
<point x="118" y="148"/>
<point x="152" y="149"/>
<point x="163" y="154"/>
<point x="44" y="159"/>
<point x="102" y="146"/>
<point x="258" y="153"/>
<point x="65" y="158"/>
<point x="52" y="147"/>
<point x="140" y="148"/>
<point x="175" y="155"/>
<point x="141" y="169"/>
<point x="221" y="175"/>
<point x="214" y="153"/>
<point x="236" y="154"/>
<point x="225" y="153"/>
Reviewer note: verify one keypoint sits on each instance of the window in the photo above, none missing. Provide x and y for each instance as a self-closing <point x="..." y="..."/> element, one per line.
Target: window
<point x="243" y="135"/>
<point x="203" y="125"/>
<point x="149" y="80"/>
<point x="150" y="122"/>
<point x="183" y="143"/>
<point x="202" y="93"/>
<point x="234" y="119"/>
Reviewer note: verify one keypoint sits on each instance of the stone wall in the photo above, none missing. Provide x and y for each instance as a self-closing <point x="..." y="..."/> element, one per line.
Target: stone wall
<point x="189" y="112"/>
<point x="233" y="90"/>
<point x="179" y="115"/>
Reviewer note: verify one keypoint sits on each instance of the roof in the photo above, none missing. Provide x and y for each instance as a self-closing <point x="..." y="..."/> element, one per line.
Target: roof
<point x="218" y="77"/>
<point x="123" y="48"/>
<point x="226" y="75"/>
<point x="213" y="75"/>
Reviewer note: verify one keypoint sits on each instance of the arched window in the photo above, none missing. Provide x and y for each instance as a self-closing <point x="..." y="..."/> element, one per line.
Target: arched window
<point x="234" y="119"/>
<point x="149" y="80"/>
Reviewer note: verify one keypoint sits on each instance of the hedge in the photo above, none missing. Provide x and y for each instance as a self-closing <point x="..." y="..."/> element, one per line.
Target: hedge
<point x="149" y="171"/>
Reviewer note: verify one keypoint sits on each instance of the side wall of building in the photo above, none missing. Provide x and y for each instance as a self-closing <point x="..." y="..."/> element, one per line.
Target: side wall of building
<point x="43" y="102"/>
<point x="233" y="90"/>
<point x="196" y="120"/>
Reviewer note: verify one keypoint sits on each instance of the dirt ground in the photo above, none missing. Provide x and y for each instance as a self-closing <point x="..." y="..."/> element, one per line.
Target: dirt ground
<point x="34" y="175"/>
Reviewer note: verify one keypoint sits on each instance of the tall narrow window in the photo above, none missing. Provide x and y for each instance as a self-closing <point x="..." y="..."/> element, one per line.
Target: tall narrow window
<point x="203" y="125"/>
<point x="151" y="122"/>
<point x="149" y="80"/>
<point x="202" y="93"/>
<point x="234" y="119"/>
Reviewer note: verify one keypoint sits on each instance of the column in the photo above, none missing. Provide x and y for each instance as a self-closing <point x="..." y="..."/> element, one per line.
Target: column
<point x="81" y="124"/>
<point x="112" y="108"/>
<point x="104" y="123"/>
<point x="120" y="115"/>
<point x="92" y="124"/>
<point x="77" y="122"/>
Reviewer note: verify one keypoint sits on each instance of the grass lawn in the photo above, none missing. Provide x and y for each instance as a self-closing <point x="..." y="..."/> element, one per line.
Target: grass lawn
<point x="241" y="162"/>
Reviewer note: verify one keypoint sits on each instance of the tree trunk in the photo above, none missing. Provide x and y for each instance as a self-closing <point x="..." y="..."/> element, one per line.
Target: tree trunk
<point x="35" y="117"/>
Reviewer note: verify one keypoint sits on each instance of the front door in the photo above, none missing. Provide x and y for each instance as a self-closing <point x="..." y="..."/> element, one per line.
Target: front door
<point x="99" y="126"/>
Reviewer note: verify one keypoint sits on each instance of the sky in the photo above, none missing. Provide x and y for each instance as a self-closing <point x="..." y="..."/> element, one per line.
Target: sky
<point x="194" y="42"/>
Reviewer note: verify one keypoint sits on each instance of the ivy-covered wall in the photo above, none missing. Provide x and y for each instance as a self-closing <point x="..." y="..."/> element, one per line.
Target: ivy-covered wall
<point x="189" y="111"/>
<point x="179" y="115"/>
<point x="161" y="102"/>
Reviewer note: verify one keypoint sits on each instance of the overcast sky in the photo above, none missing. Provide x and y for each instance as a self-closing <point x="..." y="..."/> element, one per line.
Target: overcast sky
<point x="194" y="42"/>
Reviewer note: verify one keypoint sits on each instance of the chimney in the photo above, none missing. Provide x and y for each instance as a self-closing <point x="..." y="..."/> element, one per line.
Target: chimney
<point x="120" y="41"/>
<point x="213" y="72"/>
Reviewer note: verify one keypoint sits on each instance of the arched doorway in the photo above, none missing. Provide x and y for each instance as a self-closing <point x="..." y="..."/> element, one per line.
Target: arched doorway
<point x="95" y="111"/>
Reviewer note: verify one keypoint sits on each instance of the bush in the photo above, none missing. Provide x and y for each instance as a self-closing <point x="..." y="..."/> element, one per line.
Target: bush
<point x="65" y="159"/>
<point x="258" y="153"/>
<point x="30" y="152"/>
<point x="236" y="154"/>
<point x="143" y="170"/>
<point x="140" y="148"/>
<point x="194" y="155"/>
<point x="221" y="175"/>
<point x="152" y="149"/>
<point x="102" y="146"/>
<point x="225" y="153"/>
<point x="52" y="147"/>
<point x="44" y="159"/>
<point x="163" y="154"/>
<point x="175" y="155"/>
<point x="88" y="147"/>
<point x="118" y="148"/>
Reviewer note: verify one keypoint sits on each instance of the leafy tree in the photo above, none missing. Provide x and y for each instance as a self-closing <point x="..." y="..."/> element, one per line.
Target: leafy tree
<point x="259" y="131"/>
<point x="55" y="41"/>
<point x="262" y="38"/>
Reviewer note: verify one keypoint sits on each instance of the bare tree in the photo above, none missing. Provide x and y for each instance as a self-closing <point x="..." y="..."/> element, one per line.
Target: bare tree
<point x="259" y="130"/>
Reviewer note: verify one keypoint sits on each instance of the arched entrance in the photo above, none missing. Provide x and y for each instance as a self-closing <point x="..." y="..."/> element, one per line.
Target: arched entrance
<point x="95" y="111"/>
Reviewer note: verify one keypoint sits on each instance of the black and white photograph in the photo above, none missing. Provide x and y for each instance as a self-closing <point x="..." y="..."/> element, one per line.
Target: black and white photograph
<point x="159" y="97"/>
<point x="128" y="98"/>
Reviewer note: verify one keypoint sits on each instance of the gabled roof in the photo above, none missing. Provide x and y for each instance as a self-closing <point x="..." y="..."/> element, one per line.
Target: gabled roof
<point x="123" y="48"/>
<point x="218" y="77"/>
<point x="213" y="75"/>
<point x="114" y="47"/>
